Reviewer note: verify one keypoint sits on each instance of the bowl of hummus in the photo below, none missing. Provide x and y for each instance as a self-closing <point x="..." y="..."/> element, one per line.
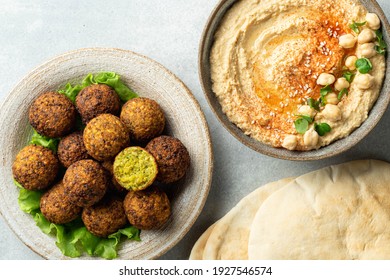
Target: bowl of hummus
<point x="298" y="80"/>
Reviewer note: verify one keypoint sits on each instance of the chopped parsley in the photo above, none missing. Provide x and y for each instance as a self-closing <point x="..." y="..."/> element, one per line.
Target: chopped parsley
<point x="322" y="128"/>
<point x="302" y="123"/>
<point x="342" y="92"/>
<point x="348" y="76"/>
<point x="355" y="26"/>
<point x="315" y="104"/>
<point x="363" y="65"/>
<point x="381" y="46"/>
<point x="323" y="92"/>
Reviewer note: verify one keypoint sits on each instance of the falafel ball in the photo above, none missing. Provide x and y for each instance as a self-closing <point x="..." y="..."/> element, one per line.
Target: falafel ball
<point x="85" y="182"/>
<point x="147" y="209"/>
<point x="143" y="118"/>
<point x="71" y="149"/>
<point x="52" y="115"/>
<point x="56" y="206"/>
<point x="135" y="168"/>
<point x="172" y="158"/>
<point x="105" y="136"/>
<point x="105" y="217"/>
<point x="35" y="167"/>
<point x="97" y="99"/>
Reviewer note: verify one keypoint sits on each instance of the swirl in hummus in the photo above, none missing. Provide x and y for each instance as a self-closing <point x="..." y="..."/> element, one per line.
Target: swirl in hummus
<point x="297" y="74"/>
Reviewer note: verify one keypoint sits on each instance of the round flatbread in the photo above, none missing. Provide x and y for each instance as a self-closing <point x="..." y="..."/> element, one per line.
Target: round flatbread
<point x="197" y="250"/>
<point x="338" y="212"/>
<point x="228" y="239"/>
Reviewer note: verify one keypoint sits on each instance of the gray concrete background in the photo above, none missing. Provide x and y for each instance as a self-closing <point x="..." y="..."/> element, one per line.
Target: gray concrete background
<point x="168" y="31"/>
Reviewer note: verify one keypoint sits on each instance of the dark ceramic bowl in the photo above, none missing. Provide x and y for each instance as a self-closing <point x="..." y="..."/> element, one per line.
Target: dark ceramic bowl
<point x="334" y="148"/>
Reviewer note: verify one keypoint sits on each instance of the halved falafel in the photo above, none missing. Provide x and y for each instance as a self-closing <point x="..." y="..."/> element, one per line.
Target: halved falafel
<point x="52" y="115"/>
<point x="71" y="149"/>
<point x="105" y="217"/>
<point x="85" y="182"/>
<point x="172" y="158"/>
<point x="56" y="206"/>
<point x="35" y="167"/>
<point x="105" y="136"/>
<point x="134" y="168"/>
<point x="97" y="99"/>
<point x="147" y="209"/>
<point x="144" y="118"/>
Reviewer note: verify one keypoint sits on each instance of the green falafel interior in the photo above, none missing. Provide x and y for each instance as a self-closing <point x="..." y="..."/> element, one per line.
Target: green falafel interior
<point x="135" y="168"/>
<point x="73" y="239"/>
<point x="108" y="78"/>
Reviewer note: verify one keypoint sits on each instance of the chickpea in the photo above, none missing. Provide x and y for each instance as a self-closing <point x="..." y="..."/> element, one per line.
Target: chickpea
<point x="325" y="79"/>
<point x="364" y="81"/>
<point x="310" y="138"/>
<point x="331" y="98"/>
<point x="350" y="62"/>
<point x="306" y="110"/>
<point x="347" y="41"/>
<point x="366" y="36"/>
<point x="367" y="50"/>
<point x="373" y="21"/>
<point x="341" y="84"/>
<point x="290" y="142"/>
<point x="332" y="112"/>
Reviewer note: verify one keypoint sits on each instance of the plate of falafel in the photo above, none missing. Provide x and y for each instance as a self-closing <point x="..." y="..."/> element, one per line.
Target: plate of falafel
<point x="105" y="154"/>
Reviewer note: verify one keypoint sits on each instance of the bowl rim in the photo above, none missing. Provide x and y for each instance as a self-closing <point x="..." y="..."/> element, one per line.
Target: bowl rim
<point x="336" y="147"/>
<point x="210" y="157"/>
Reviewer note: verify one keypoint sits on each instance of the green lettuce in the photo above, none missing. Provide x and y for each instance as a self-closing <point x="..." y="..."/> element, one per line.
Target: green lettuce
<point x="73" y="239"/>
<point x="29" y="201"/>
<point x="51" y="143"/>
<point x="109" y="78"/>
<point x="71" y="91"/>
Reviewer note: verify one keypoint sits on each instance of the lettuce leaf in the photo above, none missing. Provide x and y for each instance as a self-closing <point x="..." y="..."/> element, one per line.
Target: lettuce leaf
<point x="71" y="91"/>
<point x="73" y="239"/>
<point x="106" y="248"/>
<point x="29" y="200"/>
<point x="50" y="143"/>
<point x="109" y="78"/>
<point x="65" y="236"/>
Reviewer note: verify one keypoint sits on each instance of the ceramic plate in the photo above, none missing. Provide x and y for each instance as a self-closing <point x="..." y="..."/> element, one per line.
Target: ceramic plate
<point x="148" y="78"/>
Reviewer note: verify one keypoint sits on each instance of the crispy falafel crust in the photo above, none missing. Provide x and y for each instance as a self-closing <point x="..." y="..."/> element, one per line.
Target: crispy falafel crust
<point x="105" y="217"/>
<point x="56" y="207"/>
<point x="172" y="158"/>
<point x="147" y="209"/>
<point x="97" y="99"/>
<point x="35" y="167"/>
<point x="52" y="115"/>
<point x="85" y="182"/>
<point x="105" y="136"/>
<point x="71" y="149"/>
<point x="144" y="118"/>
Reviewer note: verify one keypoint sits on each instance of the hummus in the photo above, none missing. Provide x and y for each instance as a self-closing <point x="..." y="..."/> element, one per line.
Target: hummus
<point x="276" y="62"/>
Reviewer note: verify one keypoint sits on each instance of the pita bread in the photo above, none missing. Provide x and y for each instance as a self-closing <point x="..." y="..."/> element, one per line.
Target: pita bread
<point x="197" y="250"/>
<point x="338" y="212"/>
<point x="228" y="239"/>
